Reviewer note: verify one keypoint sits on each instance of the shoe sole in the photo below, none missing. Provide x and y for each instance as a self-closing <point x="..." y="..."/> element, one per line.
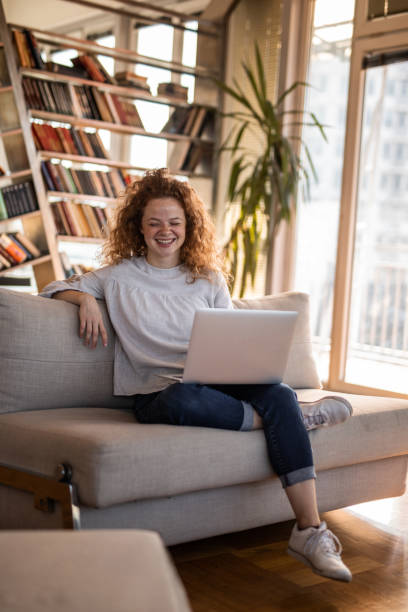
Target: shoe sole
<point x="331" y="397"/>
<point x="316" y="570"/>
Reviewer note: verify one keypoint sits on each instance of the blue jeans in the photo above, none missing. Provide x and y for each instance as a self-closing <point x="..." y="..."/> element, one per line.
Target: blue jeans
<point x="230" y="407"/>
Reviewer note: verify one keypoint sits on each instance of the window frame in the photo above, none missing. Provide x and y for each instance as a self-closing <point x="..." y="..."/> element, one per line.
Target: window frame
<point x="379" y="25"/>
<point x="348" y="210"/>
<point x="381" y="34"/>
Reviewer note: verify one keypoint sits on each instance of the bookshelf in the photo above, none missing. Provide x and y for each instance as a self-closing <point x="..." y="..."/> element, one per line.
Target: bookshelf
<point x="43" y="96"/>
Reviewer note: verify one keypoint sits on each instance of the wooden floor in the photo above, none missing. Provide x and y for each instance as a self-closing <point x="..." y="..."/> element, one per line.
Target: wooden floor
<point x="251" y="572"/>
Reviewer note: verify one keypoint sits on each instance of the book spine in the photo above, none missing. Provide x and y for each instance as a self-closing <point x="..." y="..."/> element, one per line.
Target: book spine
<point x="22" y="49"/>
<point x="28" y="244"/>
<point x="35" y="52"/>
<point x="14" y="239"/>
<point x="12" y="249"/>
<point x="73" y="227"/>
<point x="5" y="258"/>
<point x="62" y="217"/>
<point x="32" y="196"/>
<point x="22" y="198"/>
<point x="3" y="209"/>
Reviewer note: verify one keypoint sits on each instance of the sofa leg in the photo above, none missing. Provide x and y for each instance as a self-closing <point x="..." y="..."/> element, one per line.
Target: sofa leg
<point x="46" y="491"/>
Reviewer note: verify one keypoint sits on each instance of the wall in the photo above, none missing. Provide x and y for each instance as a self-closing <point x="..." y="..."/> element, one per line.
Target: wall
<point x="46" y="14"/>
<point x="246" y="26"/>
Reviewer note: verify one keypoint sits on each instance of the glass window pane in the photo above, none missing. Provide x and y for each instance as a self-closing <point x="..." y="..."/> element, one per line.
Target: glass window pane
<point x="378" y="332"/>
<point x="189" y="58"/>
<point x="330" y="13"/>
<point x="154" y="41"/>
<point x="107" y="62"/>
<point x="317" y="219"/>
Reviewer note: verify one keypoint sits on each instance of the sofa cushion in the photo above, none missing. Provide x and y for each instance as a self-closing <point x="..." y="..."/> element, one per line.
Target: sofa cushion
<point x="116" y="459"/>
<point x="301" y="371"/>
<point x="44" y="363"/>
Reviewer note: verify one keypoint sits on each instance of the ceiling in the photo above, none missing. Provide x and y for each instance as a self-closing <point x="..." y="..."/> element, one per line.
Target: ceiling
<point x="47" y="14"/>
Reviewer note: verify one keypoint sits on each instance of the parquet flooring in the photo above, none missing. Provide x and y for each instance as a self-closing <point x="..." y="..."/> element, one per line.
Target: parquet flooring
<point x="251" y="572"/>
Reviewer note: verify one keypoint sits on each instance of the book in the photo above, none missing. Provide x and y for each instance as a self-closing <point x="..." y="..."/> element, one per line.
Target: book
<point x="3" y="209"/>
<point x="74" y="71"/>
<point x="198" y="154"/>
<point x="102" y="105"/>
<point x="23" y="51"/>
<point x="81" y="219"/>
<point x="5" y="259"/>
<point x="78" y="142"/>
<point x="173" y="90"/>
<point x="15" y="251"/>
<point x="53" y="172"/>
<point x="87" y="147"/>
<point x="14" y="239"/>
<point x="177" y="120"/>
<point x="93" y="70"/>
<point x="28" y="244"/>
<point x="118" y="108"/>
<point x="186" y="155"/>
<point x="74" y="229"/>
<point x="21" y="196"/>
<point x="108" y="77"/>
<point x="131" y="113"/>
<point x="58" y="220"/>
<point x="131" y="79"/>
<point x="62" y="178"/>
<point x="66" y="265"/>
<point x="31" y="195"/>
<point x="34" y="49"/>
<point x="98" y="144"/>
<point x="103" y="221"/>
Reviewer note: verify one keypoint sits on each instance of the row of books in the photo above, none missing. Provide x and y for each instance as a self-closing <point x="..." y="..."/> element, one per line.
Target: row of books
<point x="192" y="121"/>
<point x="198" y="155"/>
<point x="48" y="96"/>
<point x="55" y="97"/>
<point x="73" y="141"/>
<point x="27" y="49"/>
<point x="58" y="177"/>
<point x="15" y="248"/>
<point x="84" y="66"/>
<point x="17" y="200"/>
<point x="89" y="66"/>
<point x="75" y="219"/>
<point x="189" y="120"/>
<point x="92" y="103"/>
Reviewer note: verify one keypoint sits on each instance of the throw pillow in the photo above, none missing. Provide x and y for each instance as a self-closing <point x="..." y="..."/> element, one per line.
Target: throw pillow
<point x="301" y="371"/>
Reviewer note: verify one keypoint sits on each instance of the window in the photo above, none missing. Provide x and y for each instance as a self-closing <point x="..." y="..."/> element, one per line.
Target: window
<point x="317" y="220"/>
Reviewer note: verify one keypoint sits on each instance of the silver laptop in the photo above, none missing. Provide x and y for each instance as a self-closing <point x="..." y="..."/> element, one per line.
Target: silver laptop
<point x="239" y="346"/>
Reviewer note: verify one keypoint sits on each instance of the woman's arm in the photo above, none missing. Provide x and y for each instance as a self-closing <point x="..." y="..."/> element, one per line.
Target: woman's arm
<point x="90" y="317"/>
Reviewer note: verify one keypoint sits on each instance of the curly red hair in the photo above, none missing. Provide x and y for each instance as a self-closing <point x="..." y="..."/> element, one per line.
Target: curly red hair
<point x="199" y="253"/>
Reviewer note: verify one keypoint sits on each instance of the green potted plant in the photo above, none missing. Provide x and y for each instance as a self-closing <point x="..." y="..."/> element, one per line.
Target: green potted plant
<point x="263" y="184"/>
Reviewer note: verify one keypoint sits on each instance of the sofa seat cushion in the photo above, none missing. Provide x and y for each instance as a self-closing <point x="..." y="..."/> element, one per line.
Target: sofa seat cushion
<point x="115" y="459"/>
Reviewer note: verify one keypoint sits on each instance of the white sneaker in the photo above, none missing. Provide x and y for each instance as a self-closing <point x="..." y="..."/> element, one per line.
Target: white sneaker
<point x="321" y="550"/>
<point x="330" y="410"/>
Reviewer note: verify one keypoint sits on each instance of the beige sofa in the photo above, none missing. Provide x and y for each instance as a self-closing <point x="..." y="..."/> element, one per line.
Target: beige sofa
<point x="57" y="408"/>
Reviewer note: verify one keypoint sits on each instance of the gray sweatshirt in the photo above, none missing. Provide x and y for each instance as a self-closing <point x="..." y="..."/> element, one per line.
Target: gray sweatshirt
<point x="152" y="311"/>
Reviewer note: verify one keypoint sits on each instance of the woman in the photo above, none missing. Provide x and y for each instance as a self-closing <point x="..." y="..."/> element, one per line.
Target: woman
<point x="163" y="264"/>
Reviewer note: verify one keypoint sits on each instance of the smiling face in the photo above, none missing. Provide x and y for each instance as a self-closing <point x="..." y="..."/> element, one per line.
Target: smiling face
<point x="164" y="231"/>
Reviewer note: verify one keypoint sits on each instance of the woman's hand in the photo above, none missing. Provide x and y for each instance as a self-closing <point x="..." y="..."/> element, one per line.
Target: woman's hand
<point x="90" y="321"/>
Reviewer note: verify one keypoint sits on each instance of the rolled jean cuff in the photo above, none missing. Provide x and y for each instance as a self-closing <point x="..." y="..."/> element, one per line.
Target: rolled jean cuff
<point x="248" y="420"/>
<point x="306" y="473"/>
